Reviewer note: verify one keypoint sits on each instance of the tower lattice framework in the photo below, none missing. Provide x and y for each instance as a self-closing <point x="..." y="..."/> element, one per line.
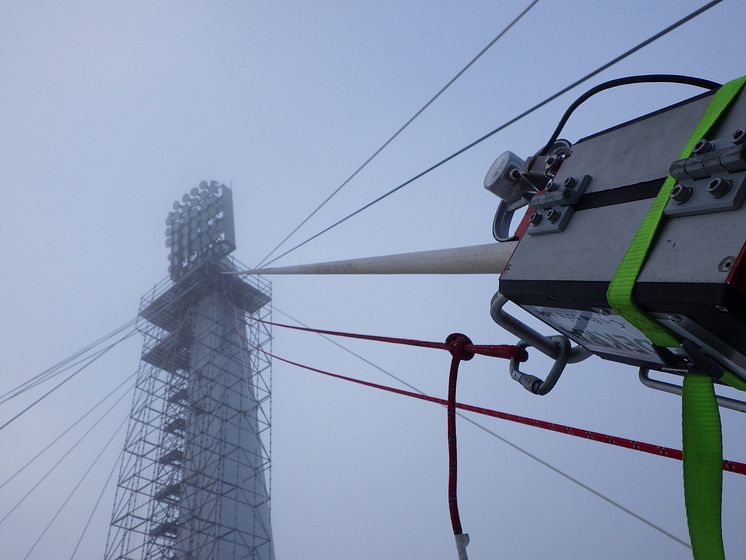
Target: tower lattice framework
<point x="194" y="481"/>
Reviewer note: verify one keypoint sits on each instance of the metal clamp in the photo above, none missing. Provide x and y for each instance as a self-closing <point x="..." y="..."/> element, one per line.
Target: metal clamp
<point x="531" y="382"/>
<point x="725" y="402"/>
<point x="503" y="219"/>
<point x="544" y="344"/>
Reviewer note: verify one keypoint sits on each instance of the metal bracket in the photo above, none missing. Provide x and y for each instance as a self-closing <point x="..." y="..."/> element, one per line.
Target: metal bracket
<point x="566" y="194"/>
<point x="705" y="196"/>
<point x="725" y="402"/>
<point x="545" y="344"/>
<point x="712" y="179"/>
<point x="531" y="382"/>
<point x="554" y="206"/>
<point x="503" y="218"/>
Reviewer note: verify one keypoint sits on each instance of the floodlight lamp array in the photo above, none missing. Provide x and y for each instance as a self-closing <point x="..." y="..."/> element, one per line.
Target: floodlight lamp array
<point x="200" y="228"/>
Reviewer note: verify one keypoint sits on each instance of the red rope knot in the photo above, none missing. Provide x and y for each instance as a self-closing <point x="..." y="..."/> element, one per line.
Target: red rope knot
<point x="520" y="353"/>
<point x="460" y="346"/>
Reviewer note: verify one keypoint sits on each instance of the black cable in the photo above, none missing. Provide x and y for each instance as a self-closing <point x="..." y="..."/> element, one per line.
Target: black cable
<point x="98" y="502"/>
<point x="60" y="436"/>
<point x="59" y="461"/>
<point x="505" y="440"/>
<point x="515" y="119"/>
<point x="646" y="79"/>
<point x="75" y="489"/>
<point x="68" y="378"/>
<point x="401" y="129"/>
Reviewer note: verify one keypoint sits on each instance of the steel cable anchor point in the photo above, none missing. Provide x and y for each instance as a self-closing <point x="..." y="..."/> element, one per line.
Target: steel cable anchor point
<point x="534" y="384"/>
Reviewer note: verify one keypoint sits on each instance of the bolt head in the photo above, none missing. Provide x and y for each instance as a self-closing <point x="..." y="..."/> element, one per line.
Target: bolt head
<point x="535" y="218"/>
<point x="554" y="215"/>
<point x="726" y="264"/>
<point x="570" y="182"/>
<point x="738" y="136"/>
<point x="719" y="187"/>
<point x="680" y="193"/>
<point x="701" y="147"/>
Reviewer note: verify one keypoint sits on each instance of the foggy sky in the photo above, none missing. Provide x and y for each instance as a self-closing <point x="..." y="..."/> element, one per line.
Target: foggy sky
<point x="110" y="111"/>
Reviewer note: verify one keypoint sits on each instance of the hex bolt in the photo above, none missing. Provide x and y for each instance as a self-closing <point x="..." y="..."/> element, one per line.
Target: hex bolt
<point x="570" y="182"/>
<point x="535" y="218"/>
<point x="554" y="215"/>
<point x="567" y="193"/>
<point x="680" y="194"/>
<point x="719" y="187"/>
<point x="726" y="264"/>
<point x="738" y="136"/>
<point x="514" y="174"/>
<point x="701" y="147"/>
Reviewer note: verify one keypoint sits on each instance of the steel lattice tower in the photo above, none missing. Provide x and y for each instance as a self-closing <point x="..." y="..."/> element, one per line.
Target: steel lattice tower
<point x="194" y="478"/>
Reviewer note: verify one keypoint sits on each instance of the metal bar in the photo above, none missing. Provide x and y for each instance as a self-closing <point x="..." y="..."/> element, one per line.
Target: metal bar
<point x="725" y="402"/>
<point x="545" y="344"/>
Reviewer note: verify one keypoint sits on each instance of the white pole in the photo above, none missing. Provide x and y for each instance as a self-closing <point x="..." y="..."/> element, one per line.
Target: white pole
<point x="476" y="259"/>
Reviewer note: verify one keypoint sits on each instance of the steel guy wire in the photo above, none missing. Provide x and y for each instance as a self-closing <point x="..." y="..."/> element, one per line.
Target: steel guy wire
<point x="65" y="363"/>
<point x="66" y="431"/>
<point x="75" y="489"/>
<point x="400" y="130"/>
<point x="98" y="502"/>
<point x="503" y="126"/>
<point x="61" y="459"/>
<point x="68" y="378"/>
<point x="506" y="441"/>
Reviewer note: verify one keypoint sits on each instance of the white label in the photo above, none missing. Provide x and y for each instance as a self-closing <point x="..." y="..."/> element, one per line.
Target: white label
<point x="605" y="334"/>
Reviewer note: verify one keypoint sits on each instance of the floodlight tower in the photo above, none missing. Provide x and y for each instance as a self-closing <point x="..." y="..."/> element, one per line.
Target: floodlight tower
<point x="193" y="482"/>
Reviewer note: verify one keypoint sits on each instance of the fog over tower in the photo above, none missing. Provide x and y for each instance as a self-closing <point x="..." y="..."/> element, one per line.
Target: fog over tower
<point x="193" y="482"/>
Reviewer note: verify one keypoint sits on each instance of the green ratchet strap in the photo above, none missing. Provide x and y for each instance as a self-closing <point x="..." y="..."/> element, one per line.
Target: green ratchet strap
<point x="701" y="430"/>
<point x="619" y="294"/>
<point x="703" y="467"/>
<point x="730" y="378"/>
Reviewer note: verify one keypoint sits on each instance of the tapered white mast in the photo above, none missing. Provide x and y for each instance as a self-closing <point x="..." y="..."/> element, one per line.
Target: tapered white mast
<point x="476" y="259"/>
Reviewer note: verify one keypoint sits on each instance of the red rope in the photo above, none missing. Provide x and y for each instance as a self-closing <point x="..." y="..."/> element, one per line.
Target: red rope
<point x="457" y="344"/>
<point x="659" y="450"/>
<point x="506" y="351"/>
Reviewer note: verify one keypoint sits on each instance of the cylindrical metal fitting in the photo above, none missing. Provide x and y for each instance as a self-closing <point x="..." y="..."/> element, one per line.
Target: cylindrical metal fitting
<point x="719" y="187"/>
<point x="701" y="147"/>
<point x="680" y="194"/>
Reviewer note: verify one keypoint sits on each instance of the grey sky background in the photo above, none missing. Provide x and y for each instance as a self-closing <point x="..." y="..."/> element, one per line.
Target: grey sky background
<point x="110" y="111"/>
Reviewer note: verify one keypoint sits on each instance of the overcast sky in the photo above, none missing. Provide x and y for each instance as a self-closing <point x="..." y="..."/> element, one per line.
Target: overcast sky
<point x="110" y="111"/>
